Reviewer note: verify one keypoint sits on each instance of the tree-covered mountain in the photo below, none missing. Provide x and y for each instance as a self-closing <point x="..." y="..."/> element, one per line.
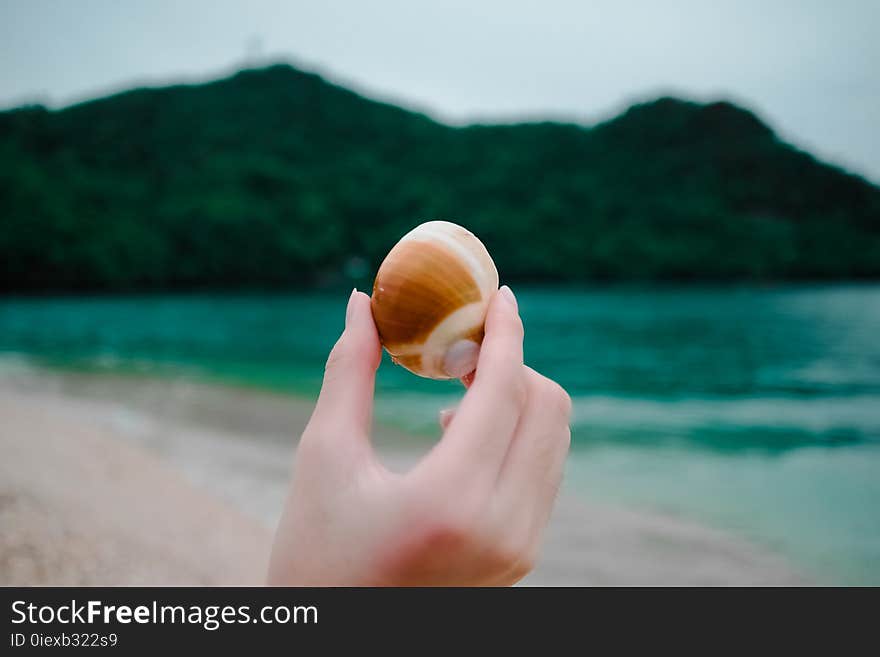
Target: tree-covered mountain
<point x="277" y="178"/>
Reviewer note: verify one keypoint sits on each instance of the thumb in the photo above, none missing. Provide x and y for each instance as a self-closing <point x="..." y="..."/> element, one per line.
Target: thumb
<point x="346" y="399"/>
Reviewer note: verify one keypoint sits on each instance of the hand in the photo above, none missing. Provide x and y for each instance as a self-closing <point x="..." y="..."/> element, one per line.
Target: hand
<point x="471" y="512"/>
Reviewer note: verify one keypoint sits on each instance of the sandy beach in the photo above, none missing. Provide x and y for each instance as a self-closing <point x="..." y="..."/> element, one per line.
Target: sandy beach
<point x="115" y="480"/>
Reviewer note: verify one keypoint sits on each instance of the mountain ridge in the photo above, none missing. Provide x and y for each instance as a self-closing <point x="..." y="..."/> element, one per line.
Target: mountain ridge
<point x="275" y="177"/>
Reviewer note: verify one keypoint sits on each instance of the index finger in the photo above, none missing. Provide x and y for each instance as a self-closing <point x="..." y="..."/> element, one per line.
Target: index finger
<point x="501" y="355"/>
<point x="478" y="437"/>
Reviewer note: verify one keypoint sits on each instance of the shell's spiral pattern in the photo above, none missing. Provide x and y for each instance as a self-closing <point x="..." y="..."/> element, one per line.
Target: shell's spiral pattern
<point x="430" y="299"/>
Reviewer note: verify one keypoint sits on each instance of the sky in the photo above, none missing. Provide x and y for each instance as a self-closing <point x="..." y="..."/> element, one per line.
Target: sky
<point x="811" y="69"/>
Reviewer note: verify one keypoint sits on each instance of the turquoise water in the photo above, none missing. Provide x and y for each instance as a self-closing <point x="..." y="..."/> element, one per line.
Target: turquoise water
<point x="752" y="409"/>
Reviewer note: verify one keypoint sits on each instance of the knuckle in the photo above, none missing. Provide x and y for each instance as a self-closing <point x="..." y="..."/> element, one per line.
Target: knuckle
<point x="352" y="351"/>
<point x="565" y="404"/>
<point x="559" y="399"/>
<point x="440" y="523"/>
<point x="503" y="558"/>
<point x="549" y="394"/>
<point x="338" y="355"/>
<point x="314" y="446"/>
<point x="519" y="330"/>
<point x="446" y="533"/>
<point x="513" y="558"/>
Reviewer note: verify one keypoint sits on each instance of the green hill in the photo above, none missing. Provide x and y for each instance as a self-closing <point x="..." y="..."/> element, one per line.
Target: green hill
<point x="277" y="178"/>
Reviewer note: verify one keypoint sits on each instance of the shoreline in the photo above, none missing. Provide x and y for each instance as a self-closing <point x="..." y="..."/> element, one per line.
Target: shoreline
<point x="113" y="479"/>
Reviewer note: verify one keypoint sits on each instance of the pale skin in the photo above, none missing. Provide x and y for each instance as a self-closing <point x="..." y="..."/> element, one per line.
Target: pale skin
<point x="472" y="512"/>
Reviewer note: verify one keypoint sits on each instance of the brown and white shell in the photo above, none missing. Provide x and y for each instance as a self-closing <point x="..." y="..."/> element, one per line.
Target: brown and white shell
<point x="430" y="299"/>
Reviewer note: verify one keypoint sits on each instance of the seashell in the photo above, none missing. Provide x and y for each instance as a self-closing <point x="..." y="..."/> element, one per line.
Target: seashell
<point x="430" y="299"/>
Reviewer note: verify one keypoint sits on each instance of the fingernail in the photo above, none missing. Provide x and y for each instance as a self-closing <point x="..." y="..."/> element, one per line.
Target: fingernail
<point x="507" y="294"/>
<point x="349" y="310"/>
<point x="446" y="416"/>
<point x="468" y="379"/>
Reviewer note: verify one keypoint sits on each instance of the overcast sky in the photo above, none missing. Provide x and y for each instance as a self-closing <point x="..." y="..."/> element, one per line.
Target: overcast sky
<point x="809" y="68"/>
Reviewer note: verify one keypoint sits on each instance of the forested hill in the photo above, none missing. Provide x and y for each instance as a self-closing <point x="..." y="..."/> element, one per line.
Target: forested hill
<point x="277" y="178"/>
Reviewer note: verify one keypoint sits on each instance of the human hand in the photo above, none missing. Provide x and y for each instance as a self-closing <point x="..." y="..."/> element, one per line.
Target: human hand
<point x="471" y="512"/>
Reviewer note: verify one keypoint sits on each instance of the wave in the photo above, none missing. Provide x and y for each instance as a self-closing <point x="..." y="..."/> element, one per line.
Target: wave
<point x="769" y="422"/>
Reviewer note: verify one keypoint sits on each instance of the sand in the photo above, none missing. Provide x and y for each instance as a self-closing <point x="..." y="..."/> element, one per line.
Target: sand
<point x="111" y="480"/>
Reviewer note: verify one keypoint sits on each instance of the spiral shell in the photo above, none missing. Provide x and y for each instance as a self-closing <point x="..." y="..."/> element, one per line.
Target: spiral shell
<point x="430" y="299"/>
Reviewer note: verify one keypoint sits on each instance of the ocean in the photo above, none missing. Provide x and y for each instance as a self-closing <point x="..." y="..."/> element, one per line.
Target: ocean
<point x="752" y="409"/>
